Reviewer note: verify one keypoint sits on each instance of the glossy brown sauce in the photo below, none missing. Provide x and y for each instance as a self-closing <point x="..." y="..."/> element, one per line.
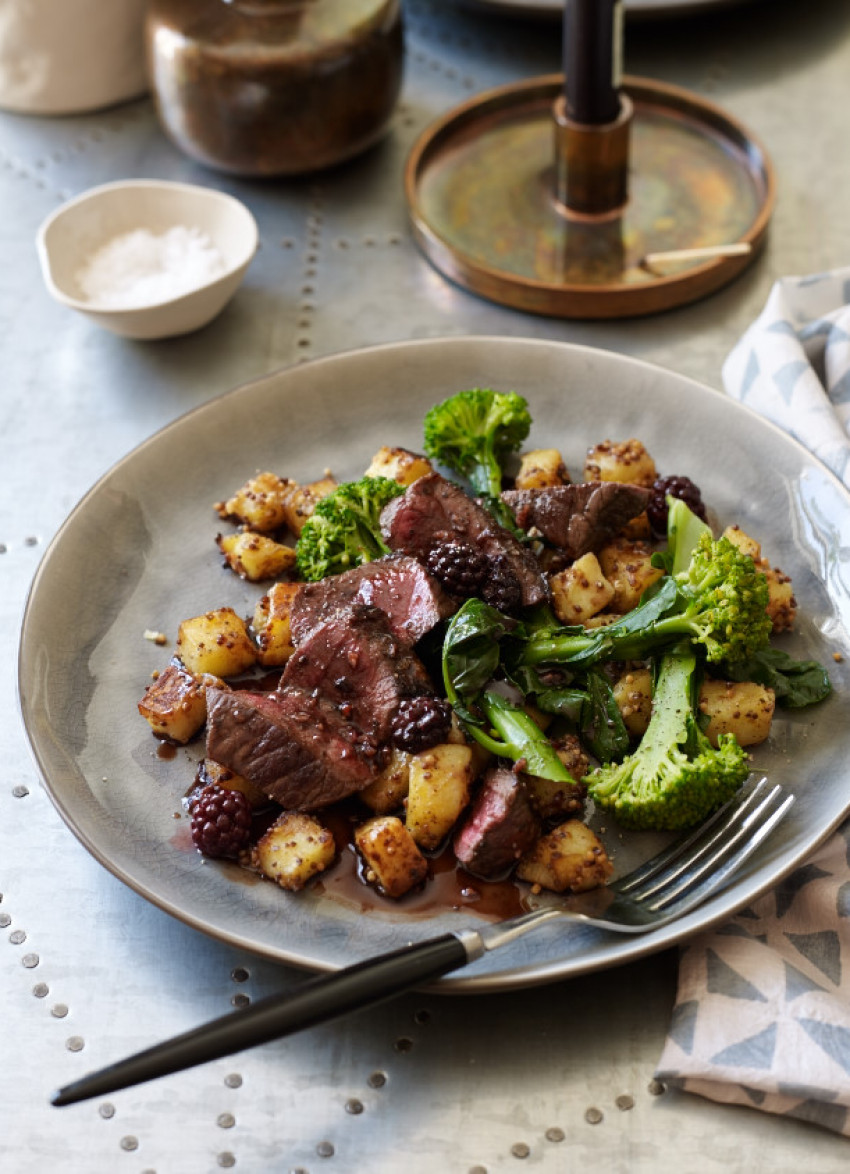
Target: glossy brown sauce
<point x="447" y="887"/>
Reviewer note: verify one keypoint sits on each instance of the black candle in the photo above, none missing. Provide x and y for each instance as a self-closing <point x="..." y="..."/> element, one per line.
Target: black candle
<point x="592" y="54"/>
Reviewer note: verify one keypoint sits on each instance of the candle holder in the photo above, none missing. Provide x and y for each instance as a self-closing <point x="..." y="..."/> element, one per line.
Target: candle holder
<point x="516" y="199"/>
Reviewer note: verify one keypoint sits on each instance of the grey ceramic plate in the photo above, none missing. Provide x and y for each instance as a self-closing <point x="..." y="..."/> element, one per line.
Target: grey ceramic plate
<point x="84" y="660"/>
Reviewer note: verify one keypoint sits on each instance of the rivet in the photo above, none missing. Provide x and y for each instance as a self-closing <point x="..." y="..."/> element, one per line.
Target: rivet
<point x="325" y="1149"/>
<point x="233" y="1080"/>
<point x="477" y="1170"/>
<point x="342" y="244"/>
<point x="106" y="1110"/>
<point x="3" y="548"/>
<point x="226" y="1160"/>
<point x="225" y="1120"/>
<point x="20" y="791"/>
<point x="75" y="1043"/>
<point x="353" y="1106"/>
<point x="40" y="990"/>
<point x="30" y="961"/>
<point x="403" y="1044"/>
<point x="240" y="974"/>
<point x="59" y="1011"/>
<point x="129" y="1143"/>
<point x="17" y="936"/>
<point x="5" y="920"/>
<point x="422" y="1017"/>
<point x="655" y="1088"/>
<point x="31" y="541"/>
<point x="555" y="1134"/>
<point x="625" y="1102"/>
<point x="593" y="1116"/>
<point x="240" y="1000"/>
<point x="377" y="1080"/>
<point x="520" y="1150"/>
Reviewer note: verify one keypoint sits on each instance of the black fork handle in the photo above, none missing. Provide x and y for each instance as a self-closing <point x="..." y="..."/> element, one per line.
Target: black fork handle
<point x="318" y="1000"/>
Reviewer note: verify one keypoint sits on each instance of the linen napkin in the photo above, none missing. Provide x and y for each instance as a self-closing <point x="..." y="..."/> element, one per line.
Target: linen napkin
<point x="762" y="1013"/>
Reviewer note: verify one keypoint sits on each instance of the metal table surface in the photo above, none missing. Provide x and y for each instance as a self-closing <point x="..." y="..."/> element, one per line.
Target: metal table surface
<point x="90" y="970"/>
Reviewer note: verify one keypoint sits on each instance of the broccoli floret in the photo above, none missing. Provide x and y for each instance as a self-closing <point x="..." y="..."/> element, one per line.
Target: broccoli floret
<point x="675" y="778"/>
<point x="344" y="529"/>
<point x="473" y="431"/>
<point x="719" y="602"/>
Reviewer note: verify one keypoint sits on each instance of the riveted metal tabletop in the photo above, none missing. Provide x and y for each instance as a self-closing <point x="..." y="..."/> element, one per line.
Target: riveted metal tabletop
<point x="555" y="1079"/>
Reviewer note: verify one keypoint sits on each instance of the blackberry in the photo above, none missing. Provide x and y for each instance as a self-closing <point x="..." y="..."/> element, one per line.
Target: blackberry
<point x="681" y="487"/>
<point x="457" y="566"/>
<point x="420" y="723"/>
<point x="501" y="588"/>
<point x="221" y="822"/>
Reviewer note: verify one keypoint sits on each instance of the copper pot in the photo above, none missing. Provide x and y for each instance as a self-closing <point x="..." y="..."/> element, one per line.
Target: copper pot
<point x="274" y="87"/>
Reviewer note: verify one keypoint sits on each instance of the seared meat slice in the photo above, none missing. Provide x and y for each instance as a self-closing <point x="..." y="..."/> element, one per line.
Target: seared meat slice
<point x="434" y="511"/>
<point x="400" y="586"/>
<point x="297" y="748"/>
<point x="500" y="827"/>
<point x="577" y="518"/>
<point x="323" y="733"/>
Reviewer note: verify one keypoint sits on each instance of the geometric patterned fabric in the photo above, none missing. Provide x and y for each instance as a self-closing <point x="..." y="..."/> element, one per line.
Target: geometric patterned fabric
<point x="762" y="1013"/>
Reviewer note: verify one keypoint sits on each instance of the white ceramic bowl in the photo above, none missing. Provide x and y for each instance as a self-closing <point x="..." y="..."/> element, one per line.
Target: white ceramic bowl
<point x="68" y="239"/>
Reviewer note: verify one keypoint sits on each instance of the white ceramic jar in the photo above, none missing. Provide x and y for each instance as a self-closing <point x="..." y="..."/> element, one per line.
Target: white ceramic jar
<point x="70" y="56"/>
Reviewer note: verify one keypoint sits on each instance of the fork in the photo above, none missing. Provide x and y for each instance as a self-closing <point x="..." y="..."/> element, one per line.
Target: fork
<point x="662" y="890"/>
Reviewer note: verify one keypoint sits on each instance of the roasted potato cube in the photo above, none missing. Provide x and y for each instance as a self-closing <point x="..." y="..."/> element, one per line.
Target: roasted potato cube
<point x="625" y="460"/>
<point x="271" y="624"/>
<point x="389" y="790"/>
<point x="294" y="849"/>
<point x="393" y="861"/>
<point x="743" y="542"/>
<point x="580" y="590"/>
<point x="213" y="773"/>
<point x="781" y="603"/>
<point x="638" y="527"/>
<point x="398" y="464"/>
<point x="260" y="503"/>
<point x="541" y="468"/>
<point x="603" y="618"/>
<point x="255" y="556"/>
<point x="216" y="642"/>
<point x="439" y="783"/>
<point x="633" y="695"/>
<point x="557" y="800"/>
<point x="569" y="749"/>
<point x="175" y="705"/>
<point x="570" y="857"/>
<point x="627" y="565"/>
<point x="303" y="499"/>
<point x="742" y="708"/>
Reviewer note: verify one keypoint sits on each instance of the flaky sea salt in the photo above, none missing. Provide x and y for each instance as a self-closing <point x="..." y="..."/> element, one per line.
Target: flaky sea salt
<point x="140" y="268"/>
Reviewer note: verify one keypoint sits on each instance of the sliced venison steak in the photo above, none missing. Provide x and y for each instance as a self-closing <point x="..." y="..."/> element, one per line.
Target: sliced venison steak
<point x="399" y="586"/>
<point x="500" y="827"/>
<point x="433" y="511"/>
<point x="321" y="735"/>
<point x="295" y="747"/>
<point x="577" y="518"/>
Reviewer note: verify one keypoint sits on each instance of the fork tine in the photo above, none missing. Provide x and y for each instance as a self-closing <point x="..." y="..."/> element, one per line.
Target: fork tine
<point x="713" y="868"/>
<point x="688" y="849"/>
